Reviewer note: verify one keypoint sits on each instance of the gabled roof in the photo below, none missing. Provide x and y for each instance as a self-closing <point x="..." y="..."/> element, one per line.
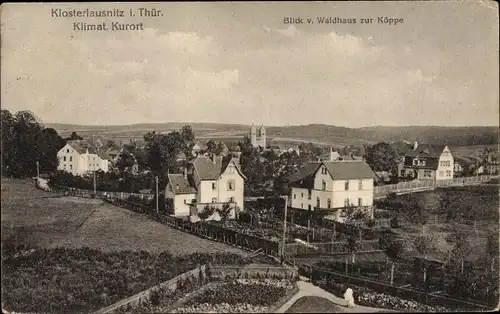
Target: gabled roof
<point x="179" y="184"/>
<point x="338" y="170"/>
<point x="305" y="172"/>
<point x="209" y="169"/>
<point x="349" y="170"/>
<point x="426" y="150"/>
<point x="81" y="147"/>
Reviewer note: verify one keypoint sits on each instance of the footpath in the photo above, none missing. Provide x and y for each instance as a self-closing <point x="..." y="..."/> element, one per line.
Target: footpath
<point x="308" y="289"/>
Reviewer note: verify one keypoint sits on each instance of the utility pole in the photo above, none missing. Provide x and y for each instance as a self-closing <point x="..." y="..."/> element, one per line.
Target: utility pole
<point x="95" y="188"/>
<point x="157" y="196"/>
<point x="284" y="228"/>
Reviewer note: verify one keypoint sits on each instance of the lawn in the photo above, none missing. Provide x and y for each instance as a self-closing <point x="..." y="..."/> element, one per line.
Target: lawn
<point x="49" y="221"/>
<point x="312" y="304"/>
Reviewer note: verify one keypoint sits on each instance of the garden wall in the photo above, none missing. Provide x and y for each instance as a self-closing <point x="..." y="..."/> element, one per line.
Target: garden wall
<point x="135" y="299"/>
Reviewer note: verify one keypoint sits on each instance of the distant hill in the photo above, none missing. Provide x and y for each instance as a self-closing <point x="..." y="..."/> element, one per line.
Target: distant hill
<point x="319" y="133"/>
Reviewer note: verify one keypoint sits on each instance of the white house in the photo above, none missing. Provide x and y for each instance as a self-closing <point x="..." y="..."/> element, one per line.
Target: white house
<point x="429" y="162"/>
<point x="208" y="180"/>
<point x="332" y="185"/>
<point x="78" y="157"/>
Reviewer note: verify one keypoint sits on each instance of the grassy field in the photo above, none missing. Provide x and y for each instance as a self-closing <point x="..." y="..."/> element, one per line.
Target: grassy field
<point x="50" y="222"/>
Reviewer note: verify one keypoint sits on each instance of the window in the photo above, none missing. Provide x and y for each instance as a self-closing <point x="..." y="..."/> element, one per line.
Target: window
<point x="329" y="203"/>
<point x="230" y="169"/>
<point x="427" y="173"/>
<point x="71" y="167"/>
<point x="302" y="195"/>
<point x="177" y="187"/>
<point x="70" y="158"/>
<point x="301" y="205"/>
<point x="360" y="202"/>
<point x="323" y="185"/>
<point x="441" y="173"/>
<point x="323" y="170"/>
<point x="402" y="172"/>
<point x="346" y="185"/>
<point x="67" y="151"/>
<point x="230" y="185"/>
<point x="309" y="194"/>
<point x="309" y="207"/>
<point x="294" y="196"/>
<point x="214" y="199"/>
<point x="64" y="158"/>
<point x="214" y="186"/>
<point x="422" y="162"/>
<point x="318" y="202"/>
<point x="185" y="201"/>
<point x="360" y="185"/>
<point x="231" y="200"/>
<point x="448" y="173"/>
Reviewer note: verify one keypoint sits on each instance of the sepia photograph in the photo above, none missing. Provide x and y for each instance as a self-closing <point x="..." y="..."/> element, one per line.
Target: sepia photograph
<point x="250" y="157"/>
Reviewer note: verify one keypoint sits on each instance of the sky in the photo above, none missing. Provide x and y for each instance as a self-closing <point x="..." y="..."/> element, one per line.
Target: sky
<point x="240" y="63"/>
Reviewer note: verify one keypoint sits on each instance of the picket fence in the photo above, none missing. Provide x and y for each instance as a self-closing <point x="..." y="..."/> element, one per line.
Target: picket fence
<point x="423" y="185"/>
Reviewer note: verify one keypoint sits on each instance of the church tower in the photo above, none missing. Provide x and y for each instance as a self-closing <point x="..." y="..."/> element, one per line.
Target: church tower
<point x="253" y="136"/>
<point x="262" y="136"/>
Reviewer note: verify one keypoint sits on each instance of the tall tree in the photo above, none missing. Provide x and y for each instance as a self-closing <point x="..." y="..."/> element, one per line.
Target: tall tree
<point x="188" y="137"/>
<point x="161" y="154"/>
<point x="392" y="247"/>
<point x="51" y="143"/>
<point x="74" y="137"/>
<point x="424" y="244"/>
<point x="353" y="247"/>
<point x="381" y="157"/>
<point x="461" y="246"/>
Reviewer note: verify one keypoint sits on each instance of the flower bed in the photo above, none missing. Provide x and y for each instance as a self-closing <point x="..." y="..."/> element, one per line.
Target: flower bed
<point x="368" y="297"/>
<point x="83" y="280"/>
<point x="238" y="296"/>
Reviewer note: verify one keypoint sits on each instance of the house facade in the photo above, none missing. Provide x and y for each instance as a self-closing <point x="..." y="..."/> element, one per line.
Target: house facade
<point x="332" y="185"/>
<point x="208" y="180"/>
<point x="429" y="162"/>
<point x="79" y="157"/>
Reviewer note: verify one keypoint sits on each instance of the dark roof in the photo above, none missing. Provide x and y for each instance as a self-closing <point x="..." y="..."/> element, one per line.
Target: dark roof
<point x="81" y="147"/>
<point x="104" y="155"/>
<point x="430" y="163"/>
<point x="347" y="170"/>
<point x="305" y="172"/>
<point x="339" y="170"/>
<point x="208" y="169"/>
<point x="179" y="180"/>
<point x="426" y="150"/>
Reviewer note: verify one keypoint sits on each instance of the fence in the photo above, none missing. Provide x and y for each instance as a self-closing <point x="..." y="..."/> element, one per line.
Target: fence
<point x="297" y="249"/>
<point x="336" y="278"/>
<point x="98" y="194"/>
<point x="205" y="230"/>
<point x="423" y="185"/>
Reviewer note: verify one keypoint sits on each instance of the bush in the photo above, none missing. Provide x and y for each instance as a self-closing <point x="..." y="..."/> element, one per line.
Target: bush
<point x="370" y="223"/>
<point x="394" y="222"/>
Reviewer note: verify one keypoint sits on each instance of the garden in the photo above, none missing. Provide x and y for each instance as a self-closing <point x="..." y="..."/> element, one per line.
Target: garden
<point x="245" y="292"/>
<point x="81" y="280"/>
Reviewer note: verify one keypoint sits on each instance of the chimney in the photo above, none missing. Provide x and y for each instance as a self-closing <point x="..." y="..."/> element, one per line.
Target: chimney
<point x="415" y="145"/>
